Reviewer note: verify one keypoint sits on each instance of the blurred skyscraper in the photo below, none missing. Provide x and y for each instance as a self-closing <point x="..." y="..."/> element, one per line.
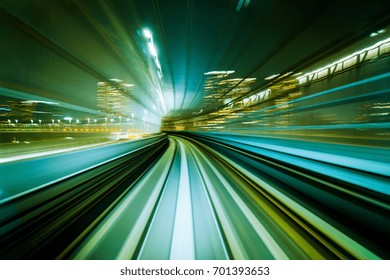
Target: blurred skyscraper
<point x="114" y="98"/>
<point x="220" y="89"/>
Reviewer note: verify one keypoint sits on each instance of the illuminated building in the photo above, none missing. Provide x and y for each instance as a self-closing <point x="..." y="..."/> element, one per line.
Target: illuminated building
<point x="22" y="110"/>
<point x="114" y="98"/>
<point x="219" y="90"/>
<point x="5" y="113"/>
<point x="26" y="111"/>
<point x="216" y="87"/>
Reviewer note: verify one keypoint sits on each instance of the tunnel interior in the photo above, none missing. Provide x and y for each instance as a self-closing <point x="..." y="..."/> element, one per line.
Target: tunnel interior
<point x="223" y="129"/>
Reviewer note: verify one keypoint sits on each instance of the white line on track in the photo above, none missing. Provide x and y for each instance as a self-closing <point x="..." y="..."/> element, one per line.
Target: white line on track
<point x="183" y="246"/>
<point x="261" y="231"/>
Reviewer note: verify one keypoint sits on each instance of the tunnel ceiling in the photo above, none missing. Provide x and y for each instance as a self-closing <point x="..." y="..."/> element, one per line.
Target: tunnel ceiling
<point x="62" y="49"/>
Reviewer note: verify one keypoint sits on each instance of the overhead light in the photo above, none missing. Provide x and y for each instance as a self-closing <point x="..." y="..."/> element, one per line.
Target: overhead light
<point x="153" y="52"/>
<point x="152" y="49"/>
<point x="158" y="64"/>
<point x="373" y="34"/>
<point x="39" y="101"/>
<point x="147" y="33"/>
<point x="219" y="72"/>
<point x="297" y="74"/>
<point x="376" y="45"/>
<point x="241" y="3"/>
<point x="272" y="76"/>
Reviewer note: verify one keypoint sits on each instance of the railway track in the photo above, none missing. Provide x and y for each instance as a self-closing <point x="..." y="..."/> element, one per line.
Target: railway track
<point x="41" y="224"/>
<point x="195" y="198"/>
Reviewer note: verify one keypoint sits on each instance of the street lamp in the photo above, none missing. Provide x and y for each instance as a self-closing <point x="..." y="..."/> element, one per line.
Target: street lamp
<point x="132" y="122"/>
<point x="68" y="119"/>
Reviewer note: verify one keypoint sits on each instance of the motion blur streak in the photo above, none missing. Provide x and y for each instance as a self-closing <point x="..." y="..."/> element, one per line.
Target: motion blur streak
<point x="196" y="129"/>
<point x="182" y="239"/>
<point x="241" y="203"/>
